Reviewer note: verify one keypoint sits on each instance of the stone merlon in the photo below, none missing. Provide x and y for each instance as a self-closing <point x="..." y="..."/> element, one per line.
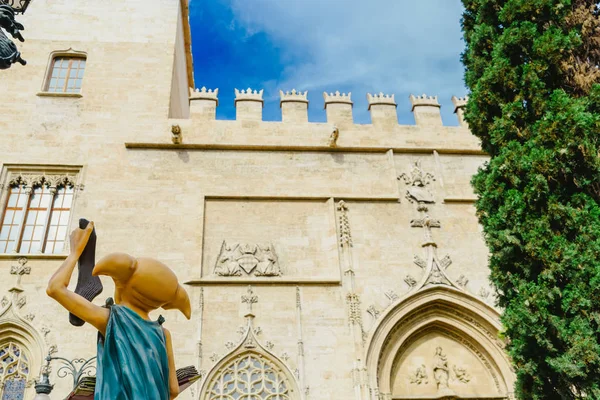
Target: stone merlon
<point x="249" y="104"/>
<point x="459" y="108"/>
<point x="338" y="107"/>
<point x="203" y="103"/>
<point x="383" y="108"/>
<point x="294" y="106"/>
<point x="426" y="110"/>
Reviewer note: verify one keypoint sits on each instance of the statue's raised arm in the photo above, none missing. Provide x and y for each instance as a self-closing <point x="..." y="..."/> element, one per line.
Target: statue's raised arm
<point x="135" y="356"/>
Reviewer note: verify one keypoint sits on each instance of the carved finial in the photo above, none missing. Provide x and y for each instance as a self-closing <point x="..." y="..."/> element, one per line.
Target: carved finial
<point x="204" y="94"/>
<point x="424" y="100"/>
<point x="381" y="99"/>
<point x="249" y="298"/>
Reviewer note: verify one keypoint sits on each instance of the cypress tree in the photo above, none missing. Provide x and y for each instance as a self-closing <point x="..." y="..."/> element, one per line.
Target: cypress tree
<point x="532" y="70"/>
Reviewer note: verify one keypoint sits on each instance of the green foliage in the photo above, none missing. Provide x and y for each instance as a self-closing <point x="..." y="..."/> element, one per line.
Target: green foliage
<point x="532" y="69"/>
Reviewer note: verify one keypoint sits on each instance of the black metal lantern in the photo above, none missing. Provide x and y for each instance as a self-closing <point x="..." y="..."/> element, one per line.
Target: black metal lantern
<point x="9" y="54"/>
<point x="18" y="5"/>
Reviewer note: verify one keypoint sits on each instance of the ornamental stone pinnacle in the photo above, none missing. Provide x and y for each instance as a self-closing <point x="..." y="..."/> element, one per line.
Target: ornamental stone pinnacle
<point x="249" y="299"/>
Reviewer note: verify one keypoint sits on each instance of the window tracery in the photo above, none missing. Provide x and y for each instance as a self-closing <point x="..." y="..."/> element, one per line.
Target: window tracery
<point x="14" y="371"/>
<point x="250" y="376"/>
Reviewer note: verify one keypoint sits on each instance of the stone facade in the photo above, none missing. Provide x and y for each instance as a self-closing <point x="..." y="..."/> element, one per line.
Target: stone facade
<point x="334" y="260"/>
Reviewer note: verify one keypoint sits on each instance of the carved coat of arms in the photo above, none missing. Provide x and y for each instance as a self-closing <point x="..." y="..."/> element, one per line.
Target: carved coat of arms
<point x="247" y="259"/>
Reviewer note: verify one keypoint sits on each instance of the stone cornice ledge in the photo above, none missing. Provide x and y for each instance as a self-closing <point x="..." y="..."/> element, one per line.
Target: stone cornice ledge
<point x="323" y="149"/>
<point x="52" y="94"/>
<point x="263" y="281"/>
<point x="460" y="199"/>
<point x="16" y="256"/>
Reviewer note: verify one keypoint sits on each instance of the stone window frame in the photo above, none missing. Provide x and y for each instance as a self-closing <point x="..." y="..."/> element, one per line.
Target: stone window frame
<point x="231" y="366"/>
<point x="69" y="53"/>
<point x="23" y="358"/>
<point x="10" y="172"/>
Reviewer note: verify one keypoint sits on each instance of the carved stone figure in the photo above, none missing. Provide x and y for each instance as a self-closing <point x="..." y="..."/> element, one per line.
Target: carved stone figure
<point x="417" y="179"/>
<point x="247" y="259"/>
<point x="135" y="354"/>
<point x="441" y="372"/>
<point x="9" y="54"/>
<point x="420" y="376"/>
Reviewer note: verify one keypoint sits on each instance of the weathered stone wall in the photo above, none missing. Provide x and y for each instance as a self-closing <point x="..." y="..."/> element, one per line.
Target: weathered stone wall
<point x="329" y="277"/>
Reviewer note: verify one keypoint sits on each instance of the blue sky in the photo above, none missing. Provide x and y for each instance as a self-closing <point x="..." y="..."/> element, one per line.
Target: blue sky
<point x="389" y="46"/>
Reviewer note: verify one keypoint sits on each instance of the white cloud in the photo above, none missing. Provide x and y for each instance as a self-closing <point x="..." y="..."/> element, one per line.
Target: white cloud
<point x="393" y="46"/>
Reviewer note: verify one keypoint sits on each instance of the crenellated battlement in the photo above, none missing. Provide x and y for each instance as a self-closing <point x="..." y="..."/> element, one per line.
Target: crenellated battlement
<point x="293" y="95"/>
<point x="381" y="98"/>
<point x="337" y="97"/>
<point x="338" y="107"/>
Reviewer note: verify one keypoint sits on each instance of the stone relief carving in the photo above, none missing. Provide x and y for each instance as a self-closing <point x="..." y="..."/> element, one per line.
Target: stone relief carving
<point x="354" y="315"/>
<point x="417" y="180"/>
<point x="229" y="345"/>
<point x="21" y="269"/>
<point x="391" y="295"/>
<point x="443" y="375"/>
<point x="269" y="345"/>
<point x="419" y="376"/>
<point x="409" y="280"/>
<point x="462" y="281"/>
<point x="461" y="374"/>
<point x="483" y="293"/>
<point x="433" y="266"/>
<point x="247" y="259"/>
<point x="373" y="311"/>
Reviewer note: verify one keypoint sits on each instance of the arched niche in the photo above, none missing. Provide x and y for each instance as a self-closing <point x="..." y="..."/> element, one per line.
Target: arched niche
<point x="403" y="359"/>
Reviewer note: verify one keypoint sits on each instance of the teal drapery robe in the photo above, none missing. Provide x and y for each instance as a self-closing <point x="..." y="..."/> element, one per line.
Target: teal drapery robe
<point x="132" y="359"/>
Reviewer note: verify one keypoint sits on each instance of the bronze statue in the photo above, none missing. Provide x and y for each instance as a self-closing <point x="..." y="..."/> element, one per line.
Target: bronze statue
<point x="135" y="354"/>
<point x="8" y="50"/>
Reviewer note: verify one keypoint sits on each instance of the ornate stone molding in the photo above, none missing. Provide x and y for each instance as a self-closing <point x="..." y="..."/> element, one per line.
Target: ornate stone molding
<point x="344" y="225"/>
<point x="247" y="259"/>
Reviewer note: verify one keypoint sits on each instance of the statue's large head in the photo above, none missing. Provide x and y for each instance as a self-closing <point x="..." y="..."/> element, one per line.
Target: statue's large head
<point x="145" y="282"/>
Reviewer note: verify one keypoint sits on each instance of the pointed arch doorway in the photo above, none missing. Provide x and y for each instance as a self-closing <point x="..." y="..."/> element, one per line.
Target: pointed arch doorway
<point x="439" y="343"/>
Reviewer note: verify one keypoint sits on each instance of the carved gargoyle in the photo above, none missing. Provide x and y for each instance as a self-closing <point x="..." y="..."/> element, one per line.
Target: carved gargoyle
<point x="9" y="54"/>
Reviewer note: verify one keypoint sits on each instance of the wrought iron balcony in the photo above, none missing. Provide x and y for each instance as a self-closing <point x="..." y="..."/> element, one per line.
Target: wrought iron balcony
<point x="18" y="5"/>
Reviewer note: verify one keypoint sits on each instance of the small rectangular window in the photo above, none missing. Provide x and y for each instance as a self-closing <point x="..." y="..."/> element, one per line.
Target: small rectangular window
<point x="65" y="75"/>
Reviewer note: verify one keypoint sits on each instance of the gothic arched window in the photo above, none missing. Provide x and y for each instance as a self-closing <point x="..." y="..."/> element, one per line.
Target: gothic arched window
<point x="14" y="371"/>
<point x="249" y="377"/>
